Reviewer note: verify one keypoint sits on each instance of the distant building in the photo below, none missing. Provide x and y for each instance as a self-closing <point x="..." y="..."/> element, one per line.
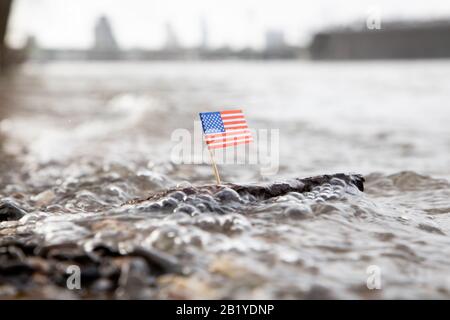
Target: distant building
<point x="105" y="44"/>
<point x="104" y="37"/>
<point x="172" y="43"/>
<point x="277" y="48"/>
<point x="204" y="34"/>
<point x="275" y="40"/>
<point x="410" y="40"/>
<point x="32" y="48"/>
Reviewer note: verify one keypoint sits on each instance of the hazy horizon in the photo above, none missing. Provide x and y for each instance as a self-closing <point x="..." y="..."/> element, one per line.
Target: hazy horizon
<point x="69" y="24"/>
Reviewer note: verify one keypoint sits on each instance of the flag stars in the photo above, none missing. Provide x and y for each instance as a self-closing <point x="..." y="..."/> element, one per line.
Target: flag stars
<point x="212" y="122"/>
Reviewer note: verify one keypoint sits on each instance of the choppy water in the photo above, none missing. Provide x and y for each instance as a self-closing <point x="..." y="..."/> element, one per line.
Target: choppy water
<point x="80" y="140"/>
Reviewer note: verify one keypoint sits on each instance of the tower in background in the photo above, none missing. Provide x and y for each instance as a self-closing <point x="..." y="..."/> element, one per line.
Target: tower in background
<point x="105" y="44"/>
<point x="204" y="34"/>
<point x="275" y="40"/>
<point x="104" y="36"/>
<point x="172" y="43"/>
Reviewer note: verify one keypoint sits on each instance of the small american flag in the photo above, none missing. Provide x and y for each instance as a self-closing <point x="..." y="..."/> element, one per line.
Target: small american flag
<point x="225" y="128"/>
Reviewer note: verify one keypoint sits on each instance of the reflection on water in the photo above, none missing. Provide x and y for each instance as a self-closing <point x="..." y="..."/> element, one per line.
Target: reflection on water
<point x="82" y="139"/>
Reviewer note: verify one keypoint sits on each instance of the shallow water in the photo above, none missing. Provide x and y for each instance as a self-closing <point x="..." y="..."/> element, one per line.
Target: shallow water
<point x="80" y="140"/>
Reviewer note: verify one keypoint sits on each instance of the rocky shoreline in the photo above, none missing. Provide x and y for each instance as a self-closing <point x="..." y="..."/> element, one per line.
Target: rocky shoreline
<point x="31" y="267"/>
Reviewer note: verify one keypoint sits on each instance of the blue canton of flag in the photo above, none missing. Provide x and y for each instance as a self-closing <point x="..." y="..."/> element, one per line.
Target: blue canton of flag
<point x="212" y="122"/>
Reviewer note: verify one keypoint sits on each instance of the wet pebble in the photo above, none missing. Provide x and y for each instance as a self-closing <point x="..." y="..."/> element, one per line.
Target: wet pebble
<point x="206" y="198"/>
<point x="169" y="204"/>
<point x="55" y="208"/>
<point x="319" y="292"/>
<point x="165" y="238"/>
<point x="178" y="195"/>
<point x="188" y="209"/>
<point x="319" y="199"/>
<point x="202" y="207"/>
<point x="149" y="207"/>
<point x="299" y="212"/>
<point x="309" y="195"/>
<point x="10" y="212"/>
<point x="44" y="198"/>
<point x="333" y="196"/>
<point x="228" y="195"/>
<point x="324" y="208"/>
<point x="338" y="182"/>
<point x="102" y="285"/>
<point x="297" y="195"/>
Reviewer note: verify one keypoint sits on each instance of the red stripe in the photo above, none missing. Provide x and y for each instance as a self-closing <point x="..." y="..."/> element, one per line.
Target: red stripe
<point x="233" y="117"/>
<point x="228" y="140"/>
<point x="227" y="134"/>
<point x="226" y="123"/>
<point x="229" y="144"/>
<point x="230" y="111"/>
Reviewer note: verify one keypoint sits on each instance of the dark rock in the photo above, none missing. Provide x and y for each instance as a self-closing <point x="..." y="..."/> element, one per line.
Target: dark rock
<point x="178" y="195"/>
<point x="169" y="204"/>
<point x="262" y="191"/>
<point x="10" y="212"/>
<point x="318" y="292"/>
<point x="159" y="262"/>
<point x="150" y="207"/>
<point x="228" y="195"/>
<point x="101" y="267"/>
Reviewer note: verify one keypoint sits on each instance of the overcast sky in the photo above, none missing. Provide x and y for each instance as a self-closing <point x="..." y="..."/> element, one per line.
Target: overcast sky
<point x="239" y="23"/>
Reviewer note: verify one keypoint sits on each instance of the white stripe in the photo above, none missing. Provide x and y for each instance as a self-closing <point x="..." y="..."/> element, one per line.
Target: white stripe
<point x="232" y="114"/>
<point x="226" y="142"/>
<point x="231" y="126"/>
<point x="228" y="137"/>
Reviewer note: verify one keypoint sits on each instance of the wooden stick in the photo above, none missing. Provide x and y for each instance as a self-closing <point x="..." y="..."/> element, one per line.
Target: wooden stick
<point x="216" y="172"/>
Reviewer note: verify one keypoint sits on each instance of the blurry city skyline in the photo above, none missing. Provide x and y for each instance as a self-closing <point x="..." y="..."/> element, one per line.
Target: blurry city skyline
<point x="238" y="24"/>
